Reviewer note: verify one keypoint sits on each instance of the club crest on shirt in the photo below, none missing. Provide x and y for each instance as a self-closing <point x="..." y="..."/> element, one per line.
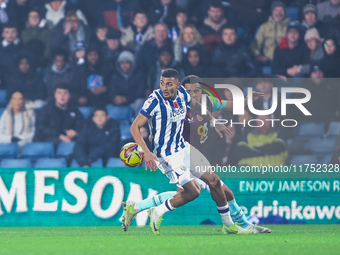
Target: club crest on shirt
<point x="199" y="117"/>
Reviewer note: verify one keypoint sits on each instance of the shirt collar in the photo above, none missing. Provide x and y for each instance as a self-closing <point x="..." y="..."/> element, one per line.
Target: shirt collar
<point x="3" y="5"/>
<point x="5" y="43"/>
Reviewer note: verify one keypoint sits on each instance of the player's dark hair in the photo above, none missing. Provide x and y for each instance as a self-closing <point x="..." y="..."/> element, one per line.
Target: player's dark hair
<point x="229" y="26"/>
<point x="191" y="79"/>
<point x="216" y="4"/>
<point x="62" y="85"/>
<point x="100" y="109"/>
<point x="170" y="73"/>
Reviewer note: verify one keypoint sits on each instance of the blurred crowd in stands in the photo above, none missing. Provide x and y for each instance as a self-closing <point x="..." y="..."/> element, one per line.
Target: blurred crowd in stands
<point x="63" y="59"/>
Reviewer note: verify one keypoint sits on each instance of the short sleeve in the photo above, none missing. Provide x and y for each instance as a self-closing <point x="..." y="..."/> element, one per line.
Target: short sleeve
<point x="216" y="104"/>
<point x="148" y="109"/>
<point x="186" y="94"/>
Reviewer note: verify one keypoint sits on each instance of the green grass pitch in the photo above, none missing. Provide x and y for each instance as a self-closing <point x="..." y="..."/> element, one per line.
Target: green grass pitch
<point x="284" y="239"/>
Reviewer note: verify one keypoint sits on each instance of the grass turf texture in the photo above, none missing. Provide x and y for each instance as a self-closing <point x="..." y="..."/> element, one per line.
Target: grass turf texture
<point x="284" y="239"/>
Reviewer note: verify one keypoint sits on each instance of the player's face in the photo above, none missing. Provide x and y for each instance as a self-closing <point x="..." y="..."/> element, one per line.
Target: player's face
<point x="169" y="87"/>
<point x="100" y="118"/>
<point x="194" y="90"/>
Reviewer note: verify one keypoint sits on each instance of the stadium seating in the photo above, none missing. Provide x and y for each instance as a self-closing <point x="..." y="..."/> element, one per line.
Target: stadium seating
<point x="296" y="146"/>
<point x="115" y="162"/>
<point x="120" y="113"/>
<point x="86" y="111"/>
<point x="16" y="163"/>
<point x="320" y="146"/>
<point x="326" y="159"/>
<point x="333" y="130"/>
<point x="292" y="13"/>
<point x="309" y="130"/>
<point x="50" y="162"/>
<point x="38" y="150"/>
<point x="9" y="150"/>
<point x="266" y="69"/>
<point x="304" y="159"/>
<point x="65" y="149"/>
<point x="125" y="135"/>
<point x="97" y="163"/>
<point x="3" y="94"/>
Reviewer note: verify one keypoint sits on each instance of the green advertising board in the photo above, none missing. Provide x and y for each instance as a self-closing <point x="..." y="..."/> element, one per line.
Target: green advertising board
<point x="93" y="197"/>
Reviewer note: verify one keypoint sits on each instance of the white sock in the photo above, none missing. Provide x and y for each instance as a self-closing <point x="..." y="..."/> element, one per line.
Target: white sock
<point x="165" y="207"/>
<point x="225" y="215"/>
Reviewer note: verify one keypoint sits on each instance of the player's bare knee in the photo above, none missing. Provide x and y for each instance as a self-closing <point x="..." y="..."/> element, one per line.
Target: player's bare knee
<point x="214" y="181"/>
<point x="193" y="188"/>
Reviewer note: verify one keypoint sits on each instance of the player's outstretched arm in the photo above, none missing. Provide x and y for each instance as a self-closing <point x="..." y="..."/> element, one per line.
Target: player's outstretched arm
<point x="149" y="157"/>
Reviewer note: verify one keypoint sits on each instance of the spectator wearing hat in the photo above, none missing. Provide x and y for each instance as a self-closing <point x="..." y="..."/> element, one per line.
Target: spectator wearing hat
<point x="211" y="28"/>
<point x="17" y="121"/>
<point x="324" y="102"/>
<point x="79" y="53"/>
<point x="270" y="33"/>
<point x="290" y="53"/>
<point x="68" y="32"/>
<point x="135" y="35"/>
<point x="331" y="60"/>
<point x="113" y="46"/>
<point x="231" y="58"/>
<point x="328" y="9"/>
<point x="128" y="84"/>
<point x="147" y="55"/>
<point x="165" y="60"/>
<point x="189" y="37"/>
<point x="55" y="11"/>
<point x="314" y="44"/>
<point x="117" y="13"/>
<point x="36" y="33"/>
<point x="99" y="139"/>
<point x="92" y="80"/>
<point x="310" y="19"/>
<point x="58" y="120"/>
<point x="59" y="71"/>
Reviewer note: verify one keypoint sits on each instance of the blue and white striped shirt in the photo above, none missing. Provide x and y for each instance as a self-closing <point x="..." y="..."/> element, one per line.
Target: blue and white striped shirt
<point x="166" y="120"/>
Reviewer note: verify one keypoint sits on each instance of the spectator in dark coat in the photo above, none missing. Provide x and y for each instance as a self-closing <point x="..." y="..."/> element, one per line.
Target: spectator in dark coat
<point x="20" y="9"/>
<point x="99" y="139"/>
<point x="163" y="11"/>
<point x="58" y="121"/>
<point x="128" y="84"/>
<point x="99" y="38"/>
<point x="10" y="47"/>
<point x="310" y="19"/>
<point x="231" y="58"/>
<point x="331" y="60"/>
<point x="27" y="80"/>
<point x="92" y="78"/>
<point x="147" y="55"/>
<point x="211" y="29"/>
<point x="334" y="28"/>
<point x="193" y="64"/>
<point x="36" y="36"/>
<point x="6" y="14"/>
<point x="328" y="9"/>
<point x="68" y="32"/>
<point x="113" y="47"/>
<point x="117" y="13"/>
<point x="181" y="20"/>
<point x="59" y="71"/>
<point x="324" y="102"/>
<point x="291" y="53"/>
<point x="165" y="60"/>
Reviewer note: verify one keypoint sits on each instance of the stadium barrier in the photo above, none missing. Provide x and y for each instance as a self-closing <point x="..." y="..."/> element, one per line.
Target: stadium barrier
<point x="93" y="197"/>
